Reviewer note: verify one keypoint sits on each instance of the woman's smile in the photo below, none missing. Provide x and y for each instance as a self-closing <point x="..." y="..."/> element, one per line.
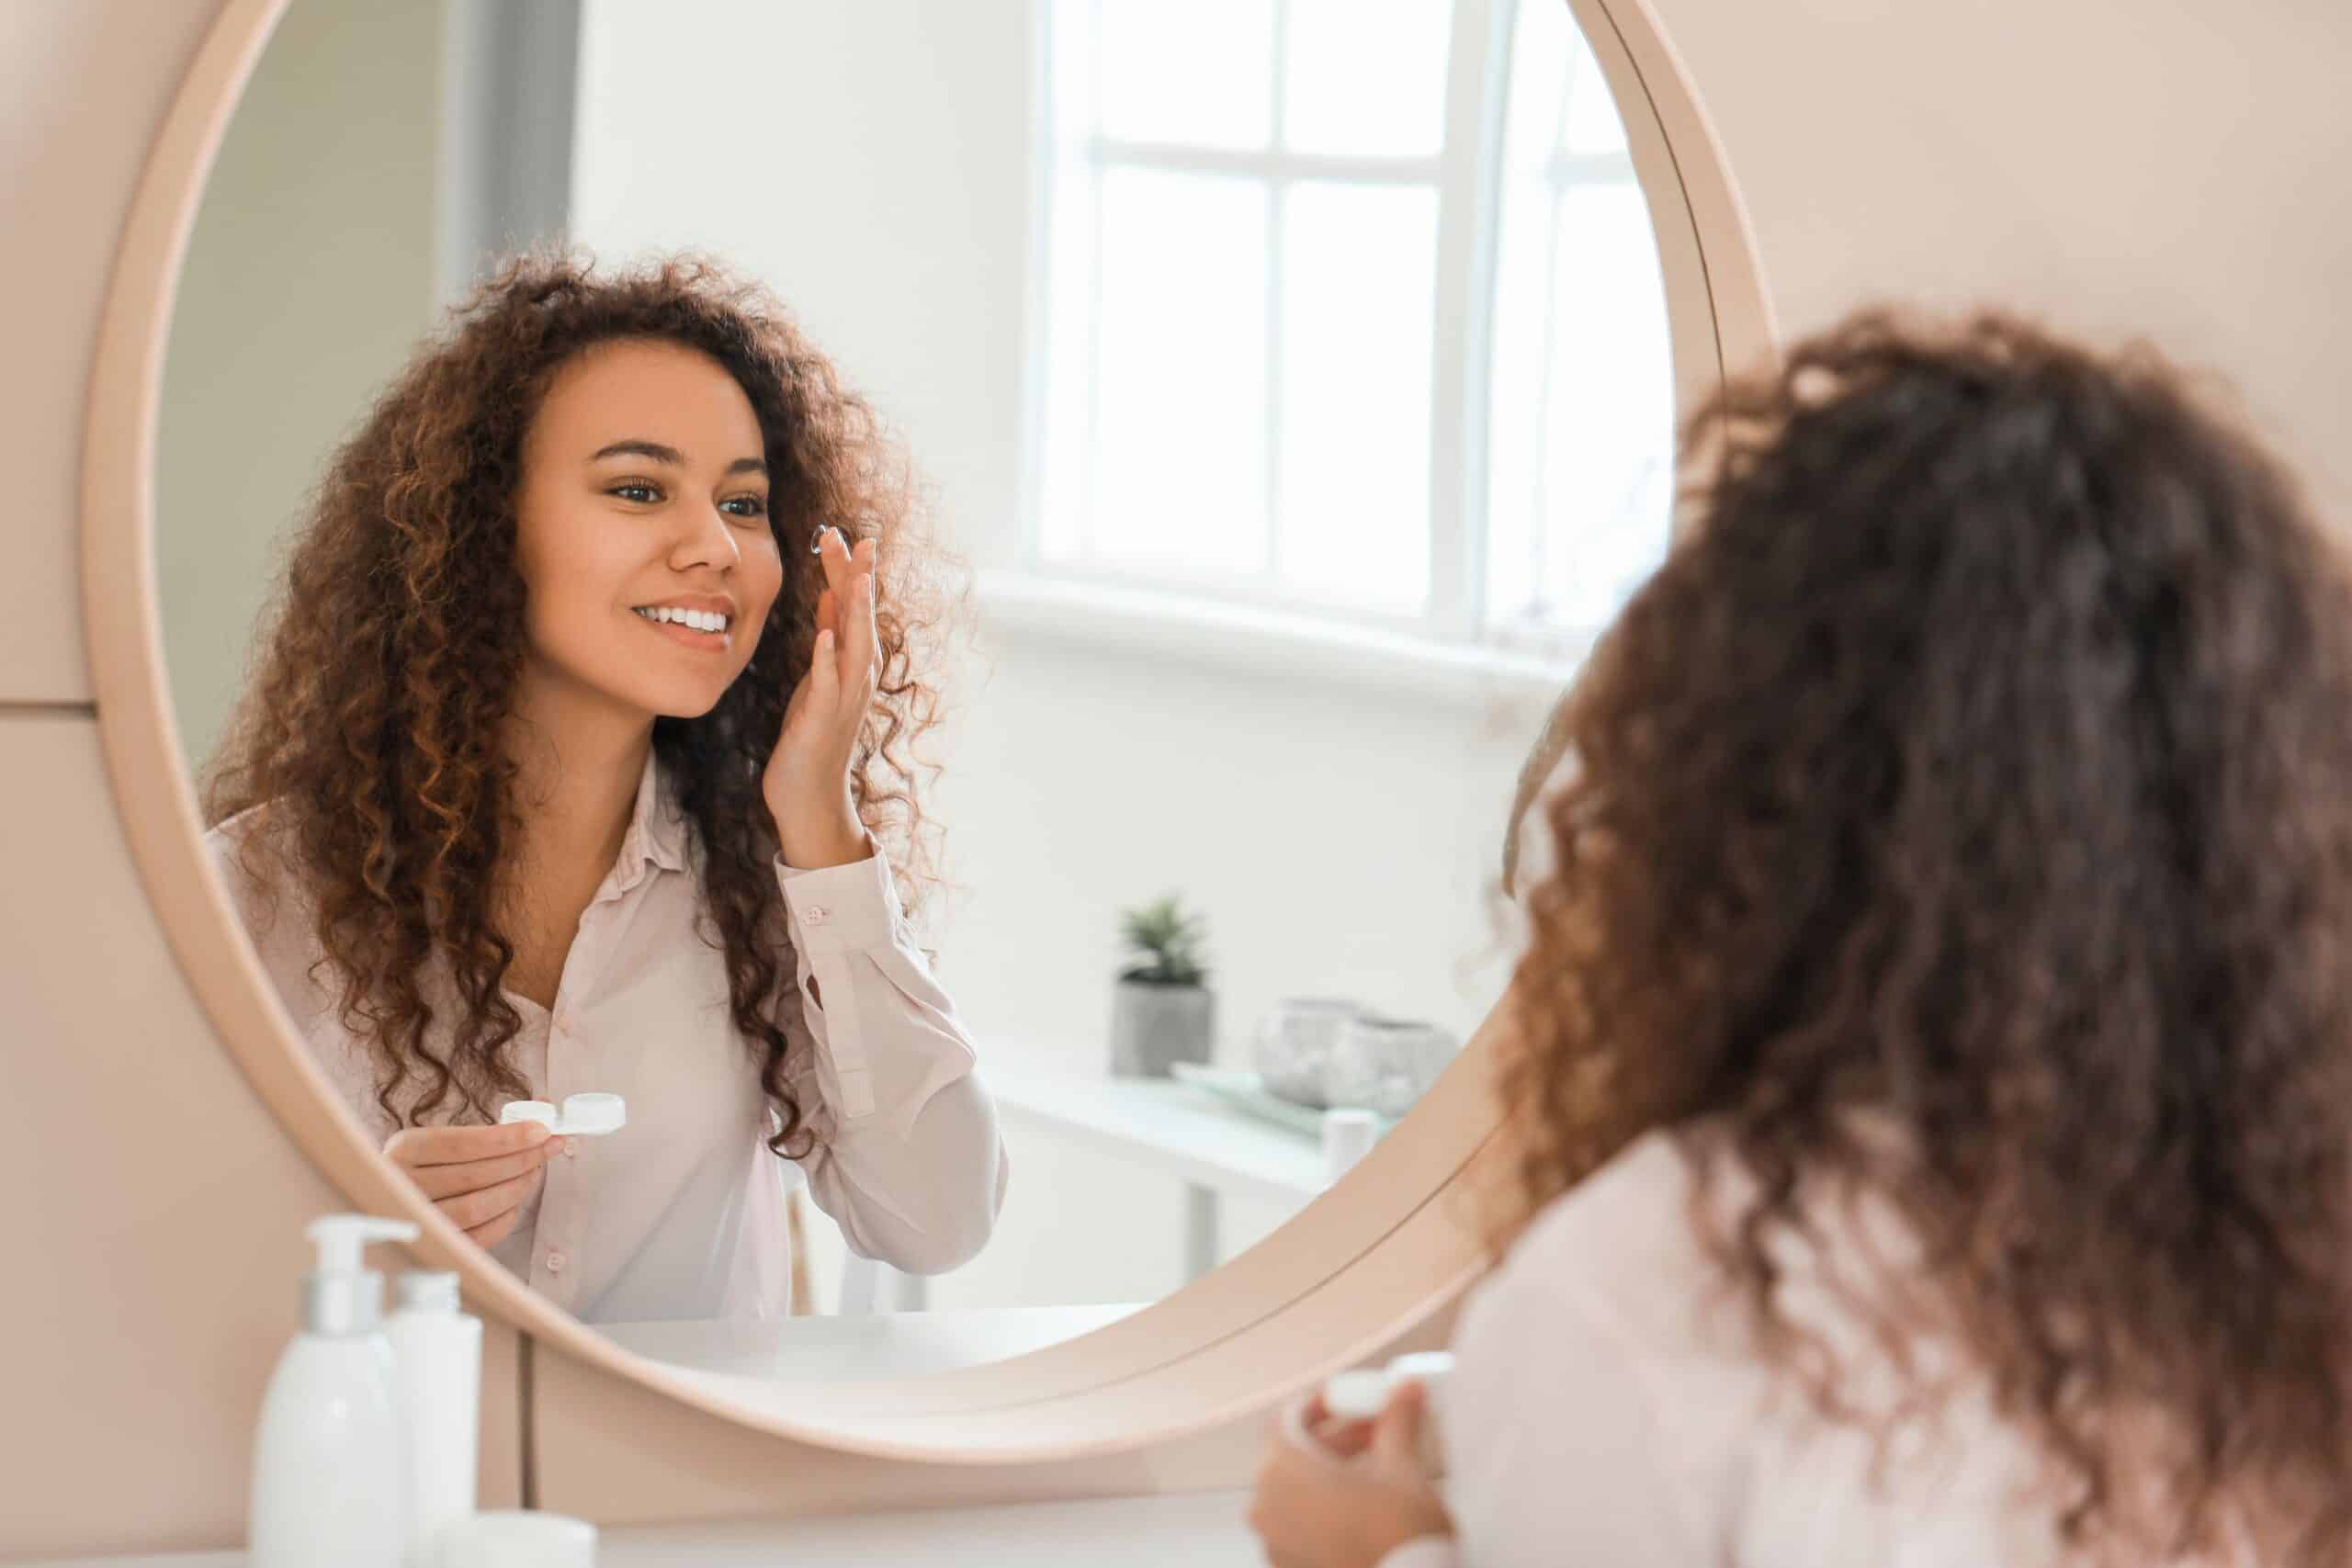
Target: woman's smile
<point x="708" y="630"/>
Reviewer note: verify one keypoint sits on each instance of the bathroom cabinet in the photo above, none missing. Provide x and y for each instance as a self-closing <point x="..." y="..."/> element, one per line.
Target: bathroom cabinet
<point x="1201" y="1529"/>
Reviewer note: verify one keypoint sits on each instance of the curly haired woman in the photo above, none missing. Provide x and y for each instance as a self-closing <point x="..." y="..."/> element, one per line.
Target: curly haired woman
<point x="1931" y="1082"/>
<point x="589" y="680"/>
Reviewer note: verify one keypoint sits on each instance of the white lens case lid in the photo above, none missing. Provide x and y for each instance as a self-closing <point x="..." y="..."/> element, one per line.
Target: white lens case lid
<point x="584" y="1115"/>
<point x="1362" y="1394"/>
<point x="1357" y="1395"/>
<point x="593" y="1114"/>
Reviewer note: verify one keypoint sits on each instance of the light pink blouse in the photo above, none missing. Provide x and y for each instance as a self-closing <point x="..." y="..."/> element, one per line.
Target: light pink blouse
<point x="1608" y="1406"/>
<point x="680" y="1214"/>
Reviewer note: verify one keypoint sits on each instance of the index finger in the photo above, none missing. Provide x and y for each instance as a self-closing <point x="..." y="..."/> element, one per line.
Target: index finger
<point x="459" y="1146"/>
<point x="834" y="558"/>
<point x="858" y="640"/>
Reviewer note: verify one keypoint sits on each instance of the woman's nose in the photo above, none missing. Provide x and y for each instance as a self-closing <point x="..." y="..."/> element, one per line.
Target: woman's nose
<point x="711" y="542"/>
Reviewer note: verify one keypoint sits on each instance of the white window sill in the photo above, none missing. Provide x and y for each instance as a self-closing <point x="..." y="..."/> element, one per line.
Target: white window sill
<point x="1261" y="642"/>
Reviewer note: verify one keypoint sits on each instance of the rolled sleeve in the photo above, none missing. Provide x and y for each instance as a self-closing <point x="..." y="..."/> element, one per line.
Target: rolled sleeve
<point x="913" y="1169"/>
<point x="839" y="912"/>
<point x="841" y="908"/>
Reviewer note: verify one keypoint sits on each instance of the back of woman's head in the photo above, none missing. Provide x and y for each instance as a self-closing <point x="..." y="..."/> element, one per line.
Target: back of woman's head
<point x="1981" y="761"/>
<point x="374" y="726"/>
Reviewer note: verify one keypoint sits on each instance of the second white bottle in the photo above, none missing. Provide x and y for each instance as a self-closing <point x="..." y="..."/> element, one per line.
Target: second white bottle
<point x="438" y="1351"/>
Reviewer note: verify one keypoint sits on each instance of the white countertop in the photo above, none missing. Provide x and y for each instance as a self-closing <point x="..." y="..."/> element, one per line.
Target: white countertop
<point x="1198" y="1529"/>
<point x="1169" y="1125"/>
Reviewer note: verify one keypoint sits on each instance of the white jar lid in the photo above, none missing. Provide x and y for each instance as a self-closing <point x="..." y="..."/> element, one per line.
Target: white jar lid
<point x="1349" y="1134"/>
<point x="512" y="1537"/>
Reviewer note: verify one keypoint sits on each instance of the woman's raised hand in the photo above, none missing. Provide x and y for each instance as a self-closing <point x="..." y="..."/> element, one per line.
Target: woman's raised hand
<point x="807" y="784"/>
<point x="478" y="1177"/>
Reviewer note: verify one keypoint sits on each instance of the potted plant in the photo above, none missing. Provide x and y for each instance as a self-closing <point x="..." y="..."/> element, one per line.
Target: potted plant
<point x="1161" y="1011"/>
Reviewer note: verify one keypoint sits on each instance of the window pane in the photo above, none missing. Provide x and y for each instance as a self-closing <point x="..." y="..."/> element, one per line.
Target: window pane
<point x="1073" y="47"/>
<point x="1069" y="391"/>
<point x="1180" y="445"/>
<point x="1581" y="392"/>
<point x="1559" y="101"/>
<point x="1515" y="414"/>
<point x="1593" y="124"/>
<point x="1609" y="449"/>
<point x="1352" y="497"/>
<point x="1543" y="44"/>
<point x="1366" y="76"/>
<point x="1198" y="71"/>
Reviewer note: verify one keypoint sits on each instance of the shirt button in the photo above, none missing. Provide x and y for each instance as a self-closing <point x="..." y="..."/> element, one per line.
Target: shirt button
<point x="555" y="1262"/>
<point x="563" y="1021"/>
<point x="571" y="1149"/>
<point x="815" y="915"/>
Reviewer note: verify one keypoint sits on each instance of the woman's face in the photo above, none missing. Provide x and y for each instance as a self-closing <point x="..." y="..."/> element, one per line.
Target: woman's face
<point x="642" y="529"/>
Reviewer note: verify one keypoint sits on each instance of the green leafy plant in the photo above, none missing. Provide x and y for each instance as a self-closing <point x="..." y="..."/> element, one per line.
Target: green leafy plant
<point x="1165" y="943"/>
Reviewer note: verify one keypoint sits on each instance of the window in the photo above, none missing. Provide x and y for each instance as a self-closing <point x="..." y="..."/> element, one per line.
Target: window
<point x="1580" y="403"/>
<point x="1349" y="308"/>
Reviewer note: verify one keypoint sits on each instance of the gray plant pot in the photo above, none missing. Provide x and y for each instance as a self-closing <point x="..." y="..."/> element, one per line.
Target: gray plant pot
<point x="1153" y="1027"/>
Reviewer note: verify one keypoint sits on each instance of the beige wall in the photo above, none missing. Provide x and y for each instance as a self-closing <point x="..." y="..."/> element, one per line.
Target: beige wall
<point x="305" y="288"/>
<point x="2140" y="163"/>
<point x="2167" y="167"/>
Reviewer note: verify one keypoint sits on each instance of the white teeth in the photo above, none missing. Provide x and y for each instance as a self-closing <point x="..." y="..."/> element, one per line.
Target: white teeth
<point x="697" y="620"/>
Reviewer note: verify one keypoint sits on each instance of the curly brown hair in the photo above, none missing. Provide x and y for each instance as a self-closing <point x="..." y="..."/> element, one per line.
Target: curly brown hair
<point x="372" y="727"/>
<point x="1979" y="763"/>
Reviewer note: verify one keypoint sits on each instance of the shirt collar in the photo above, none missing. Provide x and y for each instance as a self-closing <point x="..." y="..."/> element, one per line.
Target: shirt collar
<point x="656" y="826"/>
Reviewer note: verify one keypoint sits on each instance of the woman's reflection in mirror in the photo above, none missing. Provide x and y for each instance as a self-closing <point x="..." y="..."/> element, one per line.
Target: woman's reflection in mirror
<point x="578" y="756"/>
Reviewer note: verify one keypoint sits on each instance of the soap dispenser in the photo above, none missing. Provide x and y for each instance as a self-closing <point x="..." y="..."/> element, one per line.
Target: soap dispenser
<point x="331" y="1480"/>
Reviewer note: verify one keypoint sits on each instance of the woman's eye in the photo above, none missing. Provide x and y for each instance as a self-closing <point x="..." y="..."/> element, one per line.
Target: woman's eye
<point x="752" y="506"/>
<point x="634" y="492"/>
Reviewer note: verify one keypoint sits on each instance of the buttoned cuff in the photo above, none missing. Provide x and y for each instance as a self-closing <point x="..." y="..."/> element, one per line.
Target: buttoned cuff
<point x="841" y="908"/>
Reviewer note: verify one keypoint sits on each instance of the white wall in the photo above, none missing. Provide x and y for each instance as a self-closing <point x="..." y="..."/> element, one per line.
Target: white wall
<point x="1338" y="838"/>
<point x="306" y="285"/>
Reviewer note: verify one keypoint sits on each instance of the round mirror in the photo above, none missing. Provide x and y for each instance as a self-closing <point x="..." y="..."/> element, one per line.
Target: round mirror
<point x="1291" y="397"/>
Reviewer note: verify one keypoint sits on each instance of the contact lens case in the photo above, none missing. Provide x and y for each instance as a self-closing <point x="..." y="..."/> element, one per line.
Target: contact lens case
<point x="583" y="1115"/>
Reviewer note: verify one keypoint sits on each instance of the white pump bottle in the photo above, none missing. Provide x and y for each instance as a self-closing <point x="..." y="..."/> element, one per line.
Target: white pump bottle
<point x="438" y="1351"/>
<point x="330" y="1479"/>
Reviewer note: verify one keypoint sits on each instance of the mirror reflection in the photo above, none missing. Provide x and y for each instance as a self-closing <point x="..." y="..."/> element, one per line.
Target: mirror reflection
<point x="953" y="623"/>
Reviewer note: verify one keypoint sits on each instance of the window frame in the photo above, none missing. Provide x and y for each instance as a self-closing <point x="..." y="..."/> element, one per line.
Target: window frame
<point x="1466" y="175"/>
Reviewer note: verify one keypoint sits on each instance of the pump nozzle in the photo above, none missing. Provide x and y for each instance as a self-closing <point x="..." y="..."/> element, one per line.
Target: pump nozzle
<point x="340" y="1237"/>
<point x="339" y="1296"/>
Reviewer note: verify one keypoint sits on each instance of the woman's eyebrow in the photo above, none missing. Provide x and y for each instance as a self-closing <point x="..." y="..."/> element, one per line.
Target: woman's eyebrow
<point x="670" y="456"/>
<point x="633" y="448"/>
